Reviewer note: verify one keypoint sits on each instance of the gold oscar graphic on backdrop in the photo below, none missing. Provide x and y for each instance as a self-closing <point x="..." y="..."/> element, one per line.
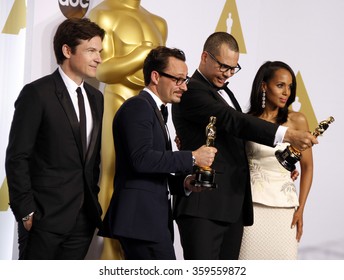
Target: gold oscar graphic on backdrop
<point x="4" y="199"/>
<point x="131" y="33"/>
<point x="303" y="104"/>
<point x="230" y="22"/>
<point x="16" y="19"/>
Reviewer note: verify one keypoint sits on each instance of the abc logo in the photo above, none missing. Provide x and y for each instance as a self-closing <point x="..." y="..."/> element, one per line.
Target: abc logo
<point x="74" y="8"/>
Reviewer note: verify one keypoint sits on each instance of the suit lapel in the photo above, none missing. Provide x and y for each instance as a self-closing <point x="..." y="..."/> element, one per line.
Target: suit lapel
<point x="232" y="97"/>
<point x="214" y="90"/>
<point x="164" y="128"/>
<point x="96" y="120"/>
<point x="158" y="114"/>
<point x="67" y="105"/>
<point x="197" y="75"/>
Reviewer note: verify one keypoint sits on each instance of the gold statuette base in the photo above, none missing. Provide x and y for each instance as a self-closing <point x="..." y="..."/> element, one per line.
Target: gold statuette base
<point x="205" y="177"/>
<point x="290" y="155"/>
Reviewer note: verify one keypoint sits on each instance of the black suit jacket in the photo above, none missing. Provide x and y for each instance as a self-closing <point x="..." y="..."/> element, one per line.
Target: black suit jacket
<point x="45" y="169"/>
<point x="190" y="117"/>
<point x="140" y="207"/>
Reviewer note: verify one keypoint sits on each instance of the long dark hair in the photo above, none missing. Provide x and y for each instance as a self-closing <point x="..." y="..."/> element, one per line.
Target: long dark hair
<point x="265" y="73"/>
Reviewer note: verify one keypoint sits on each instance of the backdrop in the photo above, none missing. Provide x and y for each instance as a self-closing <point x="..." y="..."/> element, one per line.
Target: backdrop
<point x="305" y="34"/>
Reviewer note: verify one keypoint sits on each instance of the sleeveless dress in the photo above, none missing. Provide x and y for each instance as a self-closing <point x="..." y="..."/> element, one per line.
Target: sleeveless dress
<point x="274" y="200"/>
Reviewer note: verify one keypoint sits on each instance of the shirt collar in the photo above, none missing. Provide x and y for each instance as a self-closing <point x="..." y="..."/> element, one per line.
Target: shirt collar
<point x="155" y="98"/>
<point x="218" y="89"/>
<point x="204" y="76"/>
<point x="70" y="84"/>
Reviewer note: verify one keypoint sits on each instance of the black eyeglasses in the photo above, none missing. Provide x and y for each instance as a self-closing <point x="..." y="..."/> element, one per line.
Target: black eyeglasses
<point x="179" y="81"/>
<point x="224" y="67"/>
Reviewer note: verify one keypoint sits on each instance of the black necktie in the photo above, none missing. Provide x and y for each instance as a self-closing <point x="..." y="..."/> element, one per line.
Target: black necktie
<point x="82" y="120"/>
<point x="164" y="112"/>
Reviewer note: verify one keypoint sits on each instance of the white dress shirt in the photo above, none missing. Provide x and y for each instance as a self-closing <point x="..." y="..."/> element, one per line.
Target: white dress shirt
<point x="71" y="87"/>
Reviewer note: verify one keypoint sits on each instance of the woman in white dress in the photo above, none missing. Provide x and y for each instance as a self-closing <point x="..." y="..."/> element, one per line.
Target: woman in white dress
<point x="278" y="208"/>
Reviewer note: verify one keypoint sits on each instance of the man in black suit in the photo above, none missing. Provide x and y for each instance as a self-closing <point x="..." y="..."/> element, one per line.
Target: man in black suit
<point x="139" y="214"/>
<point x="53" y="154"/>
<point x="211" y="223"/>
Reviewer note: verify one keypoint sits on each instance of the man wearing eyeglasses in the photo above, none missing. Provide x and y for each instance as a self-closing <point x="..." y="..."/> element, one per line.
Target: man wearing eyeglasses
<point x="139" y="215"/>
<point x="211" y="223"/>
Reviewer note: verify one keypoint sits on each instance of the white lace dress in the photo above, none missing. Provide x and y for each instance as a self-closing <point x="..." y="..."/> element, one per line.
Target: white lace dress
<point x="275" y="199"/>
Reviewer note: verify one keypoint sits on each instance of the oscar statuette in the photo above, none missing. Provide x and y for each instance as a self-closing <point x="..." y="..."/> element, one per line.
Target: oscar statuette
<point x="205" y="175"/>
<point x="290" y="155"/>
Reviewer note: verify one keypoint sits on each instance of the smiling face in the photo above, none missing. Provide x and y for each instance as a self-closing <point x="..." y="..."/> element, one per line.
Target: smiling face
<point x="210" y="66"/>
<point x="84" y="61"/>
<point x="278" y="89"/>
<point x="166" y="88"/>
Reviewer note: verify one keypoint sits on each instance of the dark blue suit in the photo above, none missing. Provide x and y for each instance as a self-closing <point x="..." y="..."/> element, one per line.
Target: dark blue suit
<point x="140" y="207"/>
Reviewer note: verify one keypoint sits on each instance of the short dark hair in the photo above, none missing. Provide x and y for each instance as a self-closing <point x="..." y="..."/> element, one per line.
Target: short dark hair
<point x="265" y="73"/>
<point x="157" y="60"/>
<point x="217" y="39"/>
<point x="71" y="31"/>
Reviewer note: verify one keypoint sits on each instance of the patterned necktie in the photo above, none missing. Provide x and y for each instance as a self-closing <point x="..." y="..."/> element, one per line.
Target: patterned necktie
<point x="164" y="112"/>
<point x="82" y="120"/>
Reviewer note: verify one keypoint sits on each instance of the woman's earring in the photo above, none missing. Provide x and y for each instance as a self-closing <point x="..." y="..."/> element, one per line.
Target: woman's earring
<point x="263" y="99"/>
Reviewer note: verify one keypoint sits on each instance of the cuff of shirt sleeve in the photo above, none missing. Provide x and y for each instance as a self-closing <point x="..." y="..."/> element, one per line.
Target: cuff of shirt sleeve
<point x="279" y="136"/>
<point x="186" y="191"/>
